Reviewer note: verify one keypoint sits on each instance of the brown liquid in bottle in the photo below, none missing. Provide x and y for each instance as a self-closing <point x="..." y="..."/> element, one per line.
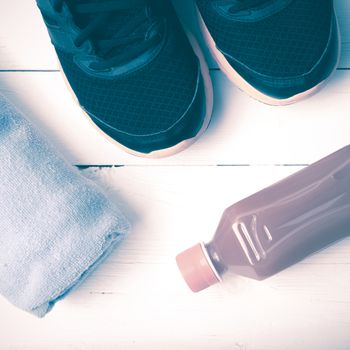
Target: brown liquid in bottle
<point x="276" y="227"/>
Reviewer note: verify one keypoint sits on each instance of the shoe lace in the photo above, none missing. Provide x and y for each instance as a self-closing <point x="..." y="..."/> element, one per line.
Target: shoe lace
<point x="95" y="19"/>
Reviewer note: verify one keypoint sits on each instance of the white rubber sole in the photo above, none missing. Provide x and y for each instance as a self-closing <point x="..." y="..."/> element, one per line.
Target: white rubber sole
<point x="179" y="147"/>
<point x="242" y="84"/>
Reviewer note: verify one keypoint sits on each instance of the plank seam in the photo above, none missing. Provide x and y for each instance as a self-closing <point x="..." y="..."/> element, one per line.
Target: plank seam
<point x="57" y="70"/>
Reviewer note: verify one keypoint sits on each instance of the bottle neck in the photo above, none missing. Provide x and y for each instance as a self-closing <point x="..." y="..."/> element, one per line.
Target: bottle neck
<point x="218" y="266"/>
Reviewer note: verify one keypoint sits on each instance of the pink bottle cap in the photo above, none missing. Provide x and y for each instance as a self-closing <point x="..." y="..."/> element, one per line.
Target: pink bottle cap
<point x="196" y="268"/>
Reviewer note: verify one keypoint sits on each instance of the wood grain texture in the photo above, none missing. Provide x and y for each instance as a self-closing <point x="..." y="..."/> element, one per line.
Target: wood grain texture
<point x="25" y="44"/>
<point x="186" y="13"/>
<point x="138" y="300"/>
<point x="242" y="130"/>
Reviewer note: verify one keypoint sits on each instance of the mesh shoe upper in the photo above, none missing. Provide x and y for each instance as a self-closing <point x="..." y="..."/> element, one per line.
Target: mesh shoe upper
<point x="287" y="43"/>
<point x="163" y="95"/>
<point x="143" y="102"/>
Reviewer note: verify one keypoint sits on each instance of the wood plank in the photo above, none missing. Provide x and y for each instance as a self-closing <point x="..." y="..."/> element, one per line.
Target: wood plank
<point x="242" y="131"/>
<point x="25" y="44"/>
<point x="186" y="12"/>
<point x="137" y="299"/>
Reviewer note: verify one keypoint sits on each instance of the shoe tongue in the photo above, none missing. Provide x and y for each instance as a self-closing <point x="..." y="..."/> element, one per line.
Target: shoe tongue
<point x="116" y="21"/>
<point x="241" y="5"/>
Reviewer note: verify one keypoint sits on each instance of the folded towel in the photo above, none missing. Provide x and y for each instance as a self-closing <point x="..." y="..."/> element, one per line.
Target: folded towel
<point x="55" y="225"/>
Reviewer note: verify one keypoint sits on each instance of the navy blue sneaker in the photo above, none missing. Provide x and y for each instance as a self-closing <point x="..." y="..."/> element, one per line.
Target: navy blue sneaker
<point x="132" y="70"/>
<point x="278" y="51"/>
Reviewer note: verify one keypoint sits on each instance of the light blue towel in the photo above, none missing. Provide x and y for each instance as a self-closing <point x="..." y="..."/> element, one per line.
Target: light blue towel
<point x="55" y="225"/>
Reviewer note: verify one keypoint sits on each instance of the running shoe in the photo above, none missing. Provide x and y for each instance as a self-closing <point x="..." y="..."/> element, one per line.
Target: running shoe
<point x="278" y="51"/>
<point x="132" y="70"/>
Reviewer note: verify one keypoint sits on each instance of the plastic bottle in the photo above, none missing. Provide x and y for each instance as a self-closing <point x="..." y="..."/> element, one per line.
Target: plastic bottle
<point x="277" y="226"/>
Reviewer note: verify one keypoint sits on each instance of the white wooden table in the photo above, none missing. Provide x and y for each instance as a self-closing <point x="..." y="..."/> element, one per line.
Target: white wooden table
<point x="137" y="299"/>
